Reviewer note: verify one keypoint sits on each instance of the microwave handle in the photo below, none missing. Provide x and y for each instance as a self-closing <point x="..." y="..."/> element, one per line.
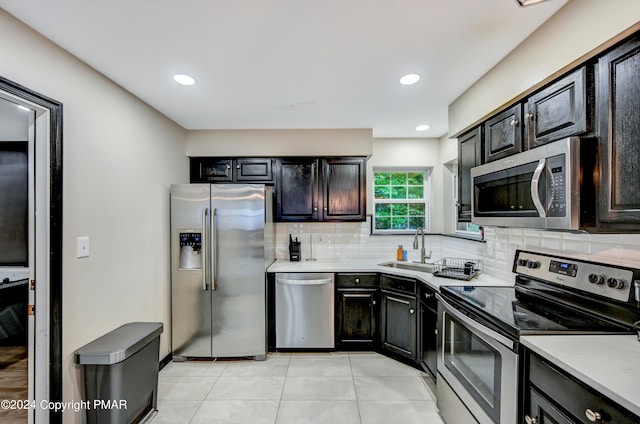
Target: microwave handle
<point x="535" y="193"/>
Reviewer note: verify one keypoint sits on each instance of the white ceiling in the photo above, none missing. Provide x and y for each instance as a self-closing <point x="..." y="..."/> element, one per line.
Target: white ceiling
<point x="273" y="64"/>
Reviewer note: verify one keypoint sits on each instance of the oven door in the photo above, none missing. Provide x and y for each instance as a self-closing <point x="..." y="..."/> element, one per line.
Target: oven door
<point x="479" y="365"/>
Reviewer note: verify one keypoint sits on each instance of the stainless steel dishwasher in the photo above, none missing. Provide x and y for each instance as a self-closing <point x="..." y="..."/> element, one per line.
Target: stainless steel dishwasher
<point x="304" y="310"/>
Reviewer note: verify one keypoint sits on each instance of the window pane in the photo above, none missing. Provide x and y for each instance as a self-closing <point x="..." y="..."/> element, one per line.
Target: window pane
<point x="416" y="209"/>
<point x="415" y="222"/>
<point x="399" y="178"/>
<point x="399" y="223"/>
<point x="399" y="209"/>
<point x="399" y="192"/>
<point x="415" y="178"/>
<point x="381" y="178"/>
<point x="383" y="209"/>
<point x="383" y="223"/>
<point x="382" y="192"/>
<point x="416" y="193"/>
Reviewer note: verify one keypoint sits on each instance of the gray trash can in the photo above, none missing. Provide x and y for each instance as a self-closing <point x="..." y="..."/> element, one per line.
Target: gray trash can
<point x="120" y="373"/>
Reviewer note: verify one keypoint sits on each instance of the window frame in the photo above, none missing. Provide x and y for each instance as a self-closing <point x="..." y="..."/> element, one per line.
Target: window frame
<point x="427" y="173"/>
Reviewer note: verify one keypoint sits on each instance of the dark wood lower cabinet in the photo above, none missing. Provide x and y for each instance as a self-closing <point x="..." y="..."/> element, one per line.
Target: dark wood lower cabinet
<point x="399" y="316"/>
<point x="356" y="318"/>
<point x="541" y="411"/>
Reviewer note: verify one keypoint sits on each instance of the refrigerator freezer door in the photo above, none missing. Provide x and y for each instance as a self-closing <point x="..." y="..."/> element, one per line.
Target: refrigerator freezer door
<point x="238" y="272"/>
<point x="190" y="294"/>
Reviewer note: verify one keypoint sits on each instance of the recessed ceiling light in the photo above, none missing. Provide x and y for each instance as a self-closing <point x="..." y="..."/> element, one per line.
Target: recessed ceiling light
<point x="184" y="79"/>
<point x="422" y="127"/>
<point x="409" y="79"/>
<point x="529" y="2"/>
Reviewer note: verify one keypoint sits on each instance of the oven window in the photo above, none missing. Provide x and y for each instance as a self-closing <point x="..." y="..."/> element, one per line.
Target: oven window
<point x="475" y="364"/>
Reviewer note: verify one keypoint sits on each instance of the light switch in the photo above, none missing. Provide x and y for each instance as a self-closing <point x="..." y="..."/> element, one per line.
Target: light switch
<point x="83" y="247"/>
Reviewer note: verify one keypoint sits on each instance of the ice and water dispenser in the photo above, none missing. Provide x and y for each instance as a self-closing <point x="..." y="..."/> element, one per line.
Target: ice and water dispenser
<point x="190" y="251"/>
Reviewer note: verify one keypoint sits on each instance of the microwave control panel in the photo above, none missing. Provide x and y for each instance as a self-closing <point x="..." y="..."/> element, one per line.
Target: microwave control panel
<point x="557" y="183"/>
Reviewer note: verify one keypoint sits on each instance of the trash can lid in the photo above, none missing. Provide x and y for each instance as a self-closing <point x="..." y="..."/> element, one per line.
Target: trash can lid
<point x="119" y="344"/>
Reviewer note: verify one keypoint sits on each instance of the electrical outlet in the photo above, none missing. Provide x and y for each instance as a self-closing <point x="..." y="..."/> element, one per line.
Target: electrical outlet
<point x="82" y="247"/>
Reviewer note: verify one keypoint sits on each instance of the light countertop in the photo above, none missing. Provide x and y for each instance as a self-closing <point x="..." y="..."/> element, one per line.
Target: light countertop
<point x="610" y="364"/>
<point x="371" y="265"/>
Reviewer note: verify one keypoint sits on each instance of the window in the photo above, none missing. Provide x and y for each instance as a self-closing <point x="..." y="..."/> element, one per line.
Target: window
<point x="462" y="228"/>
<point x="400" y="198"/>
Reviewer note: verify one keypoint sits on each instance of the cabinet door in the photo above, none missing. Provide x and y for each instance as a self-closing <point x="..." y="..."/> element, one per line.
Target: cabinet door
<point x="618" y="116"/>
<point x="356" y="317"/>
<point x="254" y="170"/>
<point x="297" y="193"/>
<point x="344" y="191"/>
<point x="503" y="134"/>
<point x="469" y="155"/>
<point x="210" y="170"/>
<point x="428" y="331"/>
<point x="541" y="411"/>
<point x="398" y="323"/>
<point x="558" y="111"/>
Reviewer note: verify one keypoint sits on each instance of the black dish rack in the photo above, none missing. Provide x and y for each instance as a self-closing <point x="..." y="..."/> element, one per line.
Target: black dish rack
<point x="457" y="268"/>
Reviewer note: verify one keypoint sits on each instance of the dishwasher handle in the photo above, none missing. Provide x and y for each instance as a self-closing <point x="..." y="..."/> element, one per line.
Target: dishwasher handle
<point x="320" y="282"/>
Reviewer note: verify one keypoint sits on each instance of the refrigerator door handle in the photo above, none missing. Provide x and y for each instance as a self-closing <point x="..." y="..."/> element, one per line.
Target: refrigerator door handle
<point x="205" y="286"/>
<point x="214" y="250"/>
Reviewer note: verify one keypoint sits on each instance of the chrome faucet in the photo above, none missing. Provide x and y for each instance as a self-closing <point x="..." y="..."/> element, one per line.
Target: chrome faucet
<point x="423" y="255"/>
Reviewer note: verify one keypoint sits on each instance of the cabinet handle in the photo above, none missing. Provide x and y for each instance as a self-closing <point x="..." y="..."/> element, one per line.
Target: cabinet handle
<point x="412" y="311"/>
<point x="374" y="302"/>
<point x="514" y="123"/>
<point x="357" y="280"/>
<point x="592" y="416"/>
<point x="315" y="209"/>
<point x="529" y="116"/>
<point x="530" y="420"/>
<point x="237" y="166"/>
<point x="428" y="296"/>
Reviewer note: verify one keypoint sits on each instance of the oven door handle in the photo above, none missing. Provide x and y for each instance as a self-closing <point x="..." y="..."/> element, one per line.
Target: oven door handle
<point x="535" y="193"/>
<point x="487" y="332"/>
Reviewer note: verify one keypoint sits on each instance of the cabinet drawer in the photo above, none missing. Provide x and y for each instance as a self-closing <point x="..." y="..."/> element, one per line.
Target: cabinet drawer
<point x="357" y="280"/>
<point x="398" y="284"/>
<point x="573" y="396"/>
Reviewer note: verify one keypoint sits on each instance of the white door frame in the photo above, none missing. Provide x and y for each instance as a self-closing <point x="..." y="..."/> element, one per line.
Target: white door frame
<point x="45" y="269"/>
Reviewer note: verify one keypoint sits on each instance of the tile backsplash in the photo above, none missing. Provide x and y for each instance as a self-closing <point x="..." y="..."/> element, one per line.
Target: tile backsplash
<point x="353" y="241"/>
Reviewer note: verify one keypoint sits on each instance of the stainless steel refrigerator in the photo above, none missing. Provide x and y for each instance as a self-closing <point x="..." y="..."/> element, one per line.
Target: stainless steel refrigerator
<point x="221" y="243"/>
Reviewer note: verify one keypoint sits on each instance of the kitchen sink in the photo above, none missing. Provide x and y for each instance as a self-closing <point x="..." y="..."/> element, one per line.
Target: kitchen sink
<point x="410" y="266"/>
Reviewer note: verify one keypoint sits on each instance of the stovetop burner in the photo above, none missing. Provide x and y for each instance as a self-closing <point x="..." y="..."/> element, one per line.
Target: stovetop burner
<point x="555" y="295"/>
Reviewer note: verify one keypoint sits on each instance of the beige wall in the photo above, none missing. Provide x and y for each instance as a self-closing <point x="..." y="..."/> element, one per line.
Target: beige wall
<point x="274" y="143"/>
<point x="576" y="29"/>
<point x="119" y="158"/>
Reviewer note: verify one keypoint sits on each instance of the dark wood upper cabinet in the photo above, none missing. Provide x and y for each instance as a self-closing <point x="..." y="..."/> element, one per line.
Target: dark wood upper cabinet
<point x="503" y="134"/>
<point x="559" y="110"/>
<point x="344" y="189"/>
<point x="312" y="189"/>
<point x="231" y="170"/>
<point x="469" y="155"/>
<point x="297" y="190"/>
<point x="254" y="169"/>
<point x="211" y="170"/>
<point x="618" y="120"/>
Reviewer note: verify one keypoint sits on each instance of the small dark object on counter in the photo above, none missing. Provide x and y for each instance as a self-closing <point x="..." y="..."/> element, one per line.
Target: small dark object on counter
<point x="637" y="327"/>
<point x="294" y="249"/>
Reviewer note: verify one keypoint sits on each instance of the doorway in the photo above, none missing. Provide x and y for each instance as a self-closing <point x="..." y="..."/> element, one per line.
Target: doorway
<point x="42" y="339"/>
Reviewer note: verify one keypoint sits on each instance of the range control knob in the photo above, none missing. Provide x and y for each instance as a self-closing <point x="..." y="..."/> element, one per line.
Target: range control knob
<point x="596" y="279"/>
<point x="522" y="262"/>
<point x="615" y="283"/>
<point x="532" y="264"/>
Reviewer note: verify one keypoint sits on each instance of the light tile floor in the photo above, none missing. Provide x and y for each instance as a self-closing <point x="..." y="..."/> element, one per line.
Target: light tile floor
<point x="295" y="388"/>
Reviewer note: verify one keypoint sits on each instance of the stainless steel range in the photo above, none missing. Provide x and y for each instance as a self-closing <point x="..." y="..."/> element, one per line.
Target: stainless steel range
<point x="478" y="352"/>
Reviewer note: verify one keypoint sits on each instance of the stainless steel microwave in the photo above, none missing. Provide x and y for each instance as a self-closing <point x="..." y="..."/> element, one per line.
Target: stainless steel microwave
<point x="550" y="187"/>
